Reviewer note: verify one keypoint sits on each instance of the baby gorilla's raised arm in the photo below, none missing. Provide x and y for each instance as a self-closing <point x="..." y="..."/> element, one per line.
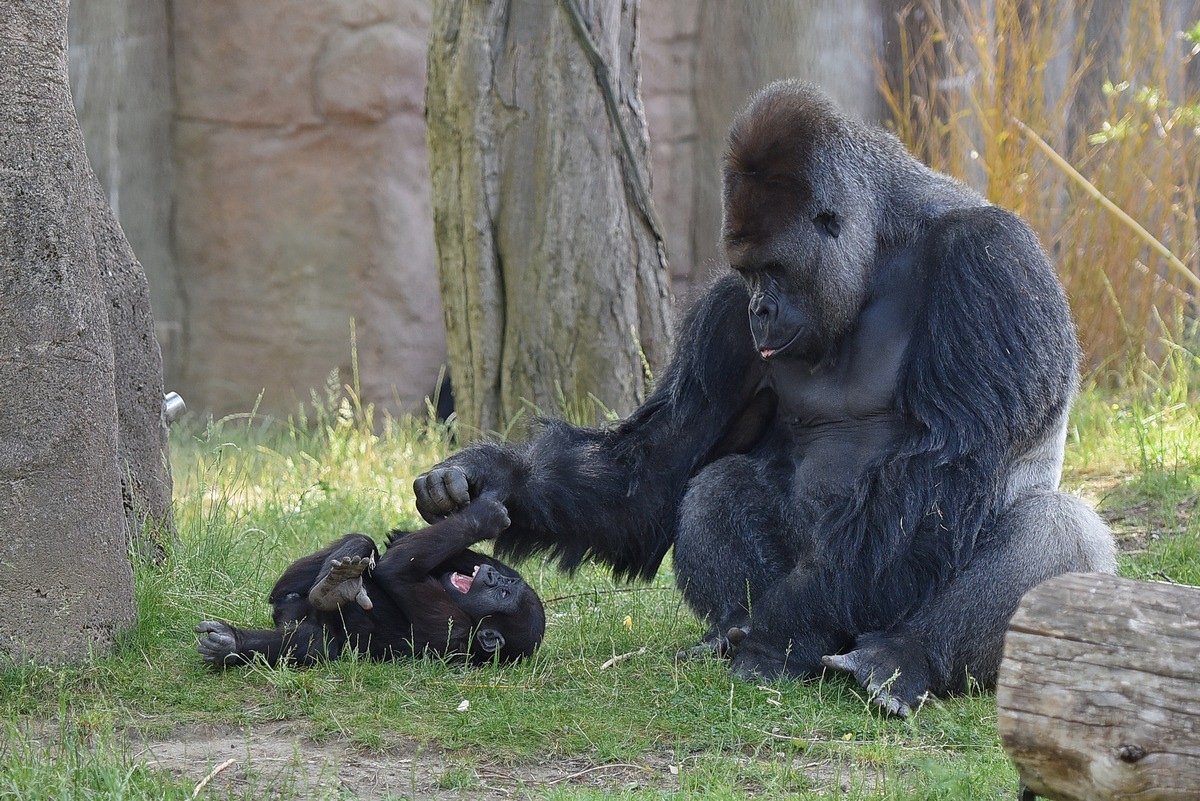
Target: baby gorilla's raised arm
<point x="412" y="556"/>
<point x="443" y="586"/>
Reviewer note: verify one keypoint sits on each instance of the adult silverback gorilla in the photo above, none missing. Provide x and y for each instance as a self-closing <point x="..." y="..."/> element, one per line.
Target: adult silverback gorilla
<point x="863" y="477"/>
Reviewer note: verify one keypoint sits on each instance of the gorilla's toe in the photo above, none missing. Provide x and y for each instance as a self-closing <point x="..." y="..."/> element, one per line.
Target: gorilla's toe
<point x="716" y="648"/>
<point x="897" y="686"/>
<point x="754" y="662"/>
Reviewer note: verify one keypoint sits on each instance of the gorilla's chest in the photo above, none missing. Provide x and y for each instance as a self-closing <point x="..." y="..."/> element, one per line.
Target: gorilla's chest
<point x="857" y="385"/>
<point x="840" y="413"/>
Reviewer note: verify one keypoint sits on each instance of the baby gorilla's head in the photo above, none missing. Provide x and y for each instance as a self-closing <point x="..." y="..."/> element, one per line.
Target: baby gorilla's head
<point x="508" y="615"/>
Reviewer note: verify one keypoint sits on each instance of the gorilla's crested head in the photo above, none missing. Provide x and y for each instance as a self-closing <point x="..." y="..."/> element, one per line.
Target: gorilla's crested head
<point x="800" y="217"/>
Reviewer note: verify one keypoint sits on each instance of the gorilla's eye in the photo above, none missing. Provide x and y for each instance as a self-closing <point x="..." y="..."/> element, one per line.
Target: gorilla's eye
<point x="827" y="221"/>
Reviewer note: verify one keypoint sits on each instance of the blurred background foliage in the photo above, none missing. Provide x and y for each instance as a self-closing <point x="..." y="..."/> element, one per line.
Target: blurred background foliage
<point x="1113" y="88"/>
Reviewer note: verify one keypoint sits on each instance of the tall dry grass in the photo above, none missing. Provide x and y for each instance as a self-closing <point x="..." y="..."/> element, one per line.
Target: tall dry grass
<point x="1108" y="86"/>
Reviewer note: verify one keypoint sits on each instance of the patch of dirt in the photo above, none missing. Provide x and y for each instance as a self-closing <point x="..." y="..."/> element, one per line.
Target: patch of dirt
<point x="1136" y="524"/>
<point x="283" y="761"/>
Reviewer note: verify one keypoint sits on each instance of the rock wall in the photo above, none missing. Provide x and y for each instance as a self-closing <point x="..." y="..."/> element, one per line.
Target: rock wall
<point x="267" y="161"/>
<point x="120" y="72"/>
<point x="668" y="37"/>
<point x="302" y="200"/>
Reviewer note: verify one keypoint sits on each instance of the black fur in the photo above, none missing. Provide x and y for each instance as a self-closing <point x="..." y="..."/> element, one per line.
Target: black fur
<point x="865" y="476"/>
<point x="414" y="610"/>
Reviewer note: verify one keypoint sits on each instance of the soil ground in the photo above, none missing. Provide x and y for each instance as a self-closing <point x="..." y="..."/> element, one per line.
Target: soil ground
<point x="283" y="760"/>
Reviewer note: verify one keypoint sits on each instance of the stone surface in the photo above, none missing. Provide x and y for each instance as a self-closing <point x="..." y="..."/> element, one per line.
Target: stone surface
<point x="293" y="195"/>
<point x="348" y="74"/>
<point x="120" y="80"/>
<point x="303" y="201"/>
<point x="668" y="35"/>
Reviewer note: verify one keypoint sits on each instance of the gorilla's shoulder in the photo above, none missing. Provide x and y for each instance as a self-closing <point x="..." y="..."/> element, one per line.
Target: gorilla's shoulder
<point x="985" y="246"/>
<point x="963" y="231"/>
<point x="986" y="271"/>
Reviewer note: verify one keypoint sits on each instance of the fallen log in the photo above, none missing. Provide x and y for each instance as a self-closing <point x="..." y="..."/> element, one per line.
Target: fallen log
<point x="1098" y="695"/>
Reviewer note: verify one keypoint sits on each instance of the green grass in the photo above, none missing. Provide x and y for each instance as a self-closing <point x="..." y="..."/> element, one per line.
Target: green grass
<point x="253" y="494"/>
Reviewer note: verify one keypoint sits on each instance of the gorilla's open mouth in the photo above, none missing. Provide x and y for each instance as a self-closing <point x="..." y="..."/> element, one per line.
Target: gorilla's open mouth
<point x="462" y="582"/>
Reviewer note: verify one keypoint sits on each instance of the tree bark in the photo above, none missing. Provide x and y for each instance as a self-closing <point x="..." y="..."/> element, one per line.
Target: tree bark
<point x="82" y="436"/>
<point x="551" y="262"/>
<point x="1098" y="696"/>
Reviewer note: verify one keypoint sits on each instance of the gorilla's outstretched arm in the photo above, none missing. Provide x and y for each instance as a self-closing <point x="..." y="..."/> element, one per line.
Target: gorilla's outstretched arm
<point x="614" y="494"/>
<point x="304" y="643"/>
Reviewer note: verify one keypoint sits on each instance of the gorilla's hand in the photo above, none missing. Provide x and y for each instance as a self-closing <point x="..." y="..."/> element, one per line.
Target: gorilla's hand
<point x="452" y="485"/>
<point x="217" y="642"/>
<point x="441" y="492"/>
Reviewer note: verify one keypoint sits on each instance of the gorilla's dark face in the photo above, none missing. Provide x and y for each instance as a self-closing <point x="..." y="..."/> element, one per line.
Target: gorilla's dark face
<point x="505" y="608"/>
<point x="796" y="226"/>
<point x="486" y="592"/>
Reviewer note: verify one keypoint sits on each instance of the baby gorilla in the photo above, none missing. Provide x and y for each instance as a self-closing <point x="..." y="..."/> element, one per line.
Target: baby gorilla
<point x="427" y="594"/>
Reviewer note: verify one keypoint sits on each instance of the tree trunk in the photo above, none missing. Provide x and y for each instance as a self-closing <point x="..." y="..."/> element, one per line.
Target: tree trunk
<point x="551" y="262"/>
<point x="82" y="436"/>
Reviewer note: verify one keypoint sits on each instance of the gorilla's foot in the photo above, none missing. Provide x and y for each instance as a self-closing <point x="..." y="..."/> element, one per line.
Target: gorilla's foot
<point x="217" y="642"/>
<point x="896" y="685"/>
<point x="755" y="661"/>
<point x="715" y="645"/>
<point x="342" y="584"/>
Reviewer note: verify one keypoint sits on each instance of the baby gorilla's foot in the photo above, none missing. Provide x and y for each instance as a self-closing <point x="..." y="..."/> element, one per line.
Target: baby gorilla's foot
<point x="342" y="584"/>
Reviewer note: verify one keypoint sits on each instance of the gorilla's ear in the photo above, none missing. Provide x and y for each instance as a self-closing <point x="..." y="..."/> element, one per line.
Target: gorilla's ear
<point x="490" y="640"/>
<point x="827" y="221"/>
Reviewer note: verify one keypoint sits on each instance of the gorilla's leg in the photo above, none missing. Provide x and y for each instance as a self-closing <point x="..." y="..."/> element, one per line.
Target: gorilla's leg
<point x="728" y="548"/>
<point x="958" y="636"/>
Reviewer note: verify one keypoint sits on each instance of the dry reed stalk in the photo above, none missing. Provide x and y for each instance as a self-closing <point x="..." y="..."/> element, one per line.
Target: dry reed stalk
<point x="1033" y="62"/>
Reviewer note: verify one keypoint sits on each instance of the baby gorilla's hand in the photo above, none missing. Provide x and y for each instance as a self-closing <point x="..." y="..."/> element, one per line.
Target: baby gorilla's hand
<point x="488" y="516"/>
<point x="217" y="642"/>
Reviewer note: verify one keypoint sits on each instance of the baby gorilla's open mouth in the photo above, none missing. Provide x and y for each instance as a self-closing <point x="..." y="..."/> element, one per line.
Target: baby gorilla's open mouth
<point x="462" y="582"/>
